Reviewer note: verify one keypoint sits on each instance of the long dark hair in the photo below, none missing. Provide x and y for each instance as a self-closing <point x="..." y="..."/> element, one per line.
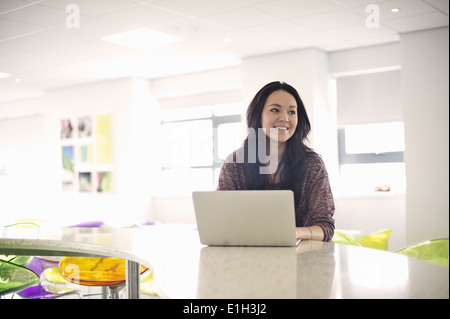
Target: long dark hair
<point x="296" y="151"/>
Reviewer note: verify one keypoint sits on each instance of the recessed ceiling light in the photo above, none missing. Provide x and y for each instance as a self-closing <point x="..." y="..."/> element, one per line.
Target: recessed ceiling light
<point x="227" y="40"/>
<point x="142" y="38"/>
<point x="395" y="10"/>
<point x="3" y="75"/>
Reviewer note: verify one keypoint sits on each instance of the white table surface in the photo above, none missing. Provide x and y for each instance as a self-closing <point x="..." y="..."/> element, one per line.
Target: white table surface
<point x="183" y="268"/>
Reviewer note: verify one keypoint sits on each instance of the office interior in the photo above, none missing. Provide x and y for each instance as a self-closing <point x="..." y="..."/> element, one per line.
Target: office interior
<point x="348" y="69"/>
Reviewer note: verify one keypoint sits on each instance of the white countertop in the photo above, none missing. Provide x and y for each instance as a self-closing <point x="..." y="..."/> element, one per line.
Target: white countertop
<point x="313" y="270"/>
<point x="183" y="268"/>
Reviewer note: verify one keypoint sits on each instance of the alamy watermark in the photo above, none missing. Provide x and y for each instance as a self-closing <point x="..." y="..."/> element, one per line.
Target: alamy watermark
<point x="257" y="149"/>
<point x="373" y="19"/>
<point x="196" y="146"/>
<point x="73" y="19"/>
<point x="73" y="273"/>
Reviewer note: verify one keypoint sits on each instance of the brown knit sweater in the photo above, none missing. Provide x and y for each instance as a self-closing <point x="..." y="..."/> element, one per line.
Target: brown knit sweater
<point x="316" y="206"/>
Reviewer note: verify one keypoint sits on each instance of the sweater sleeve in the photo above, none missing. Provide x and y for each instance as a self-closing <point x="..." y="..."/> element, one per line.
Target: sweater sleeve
<point x="229" y="177"/>
<point x="320" y="202"/>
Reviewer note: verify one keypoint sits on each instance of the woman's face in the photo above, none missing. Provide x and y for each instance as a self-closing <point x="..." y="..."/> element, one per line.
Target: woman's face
<point x="280" y="113"/>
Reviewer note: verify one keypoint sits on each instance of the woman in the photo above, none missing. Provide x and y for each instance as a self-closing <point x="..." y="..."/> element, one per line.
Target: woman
<point x="278" y="110"/>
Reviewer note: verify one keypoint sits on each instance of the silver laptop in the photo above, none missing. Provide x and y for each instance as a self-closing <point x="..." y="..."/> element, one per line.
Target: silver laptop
<point x="245" y="218"/>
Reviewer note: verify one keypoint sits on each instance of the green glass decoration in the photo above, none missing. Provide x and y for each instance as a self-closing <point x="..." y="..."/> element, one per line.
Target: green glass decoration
<point x="14" y="278"/>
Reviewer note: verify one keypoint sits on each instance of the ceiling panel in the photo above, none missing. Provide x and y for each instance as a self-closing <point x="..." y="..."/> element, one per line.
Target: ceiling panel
<point x="439" y="4"/>
<point x="242" y="17"/>
<point x="12" y="29"/>
<point x="38" y="15"/>
<point x="38" y="48"/>
<point x="424" y="21"/>
<point x="128" y="19"/>
<point x="407" y="8"/>
<point x="195" y="8"/>
<point x="93" y="7"/>
<point x="275" y="29"/>
<point x="297" y="8"/>
<point x="357" y="3"/>
<point x="331" y="20"/>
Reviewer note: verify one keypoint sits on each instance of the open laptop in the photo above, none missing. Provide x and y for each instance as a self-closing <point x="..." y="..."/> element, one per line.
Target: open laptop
<point x="245" y="218"/>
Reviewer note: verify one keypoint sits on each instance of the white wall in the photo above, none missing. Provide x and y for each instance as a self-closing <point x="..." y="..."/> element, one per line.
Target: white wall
<point x="365" y="60"/>
<point x="134" y="152"/>
<point x="425" y="75"/>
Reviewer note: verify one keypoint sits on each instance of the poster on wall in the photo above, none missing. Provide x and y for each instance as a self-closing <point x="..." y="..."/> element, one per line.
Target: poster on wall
<point x="68" y="173"/>
<point x="85" y="182"/>
<point x="104" y="182"/>
<point x="84" y="126"/>
<point x="103" y="138"/>
<point x="67" y="128"/>
<point x="86" y="153"/>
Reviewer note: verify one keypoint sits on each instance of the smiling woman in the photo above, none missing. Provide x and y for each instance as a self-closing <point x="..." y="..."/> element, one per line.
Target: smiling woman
<point x="278" y="111"/>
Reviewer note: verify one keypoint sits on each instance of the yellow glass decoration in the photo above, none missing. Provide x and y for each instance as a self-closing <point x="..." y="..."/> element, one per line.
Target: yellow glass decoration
<point x="434" y="251"/>
<point x="53" y="282"/>
<point x="377" y="240"/>
<point x="94" y="271"/>
<point x="148" y="285"/>
<point x="343" y="238"/>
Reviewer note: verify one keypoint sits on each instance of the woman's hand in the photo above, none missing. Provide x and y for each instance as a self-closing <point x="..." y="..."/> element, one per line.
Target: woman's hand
<point x="310" y="233"/>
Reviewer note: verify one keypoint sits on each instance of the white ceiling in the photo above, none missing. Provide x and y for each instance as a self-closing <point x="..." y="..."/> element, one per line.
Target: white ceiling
<point x="40" y="52"/>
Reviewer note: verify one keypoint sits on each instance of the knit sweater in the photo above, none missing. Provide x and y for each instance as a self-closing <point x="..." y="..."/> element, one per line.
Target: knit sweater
<point x="316" y="207"/>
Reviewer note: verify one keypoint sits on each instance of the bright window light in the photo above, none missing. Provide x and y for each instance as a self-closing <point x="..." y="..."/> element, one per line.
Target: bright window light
<point x="228" y="109"/>
<point x="366" y="178"/>
<point x="197" y="140"/>
<point x="230" y="137"/>
<point x="187" y="113"/>
<point x="3" y="75"/>
<point x="188" y="143"/>
<point x="390" y="276"/>
<point x="374" y="138"/>
<point x="184" y="181"/>
<point x="142" y="38"/>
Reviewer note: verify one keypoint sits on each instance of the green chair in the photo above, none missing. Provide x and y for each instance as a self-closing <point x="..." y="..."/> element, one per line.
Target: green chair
<point x="343" y="238"/>
<point x="14" y="278"/>
<point x="377" y="240"/>
<point x="434" y="251"/>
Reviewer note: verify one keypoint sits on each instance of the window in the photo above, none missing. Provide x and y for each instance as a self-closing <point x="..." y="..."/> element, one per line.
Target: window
<point x="198" y="140"/>
<point x="370" y="132"/>
<point x="371" y="157"/>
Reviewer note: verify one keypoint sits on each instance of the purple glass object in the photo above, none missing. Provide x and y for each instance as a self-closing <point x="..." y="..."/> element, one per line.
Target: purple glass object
<point x="92" y="224"/>
<point x="38" y="265"/>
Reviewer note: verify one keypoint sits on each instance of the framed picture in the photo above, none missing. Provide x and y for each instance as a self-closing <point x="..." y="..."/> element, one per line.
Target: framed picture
<point x="86" y="153"/>
<point x="68" y="172"/>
